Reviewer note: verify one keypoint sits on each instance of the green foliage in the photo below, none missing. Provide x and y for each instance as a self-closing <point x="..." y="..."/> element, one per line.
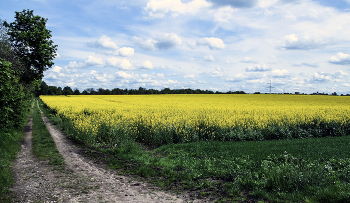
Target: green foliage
<point x="9" y="147"/>
<point x="30" y="40"/>
<point x="144" y="133"/>
<point x="13" y="98"/>
<point x="67" y="91"/>
<point x="6" y="51"/>
<point x="43" y="145"/>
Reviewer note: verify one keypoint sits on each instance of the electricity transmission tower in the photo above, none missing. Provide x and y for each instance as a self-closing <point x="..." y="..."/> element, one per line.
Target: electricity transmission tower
<point x="269" y="86"/>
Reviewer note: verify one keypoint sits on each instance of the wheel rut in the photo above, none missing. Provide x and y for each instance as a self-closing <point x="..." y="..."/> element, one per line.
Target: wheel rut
<point x="83" y="180"/>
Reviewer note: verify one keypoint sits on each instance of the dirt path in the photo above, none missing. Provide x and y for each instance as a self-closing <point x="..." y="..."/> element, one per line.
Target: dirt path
<point x="82" y="181"/>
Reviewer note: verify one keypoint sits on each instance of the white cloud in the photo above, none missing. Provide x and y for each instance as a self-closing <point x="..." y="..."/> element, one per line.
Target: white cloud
<point x="258" y="68"/>
<point x="122" y="74"/>
<point x="321" y="77"/>
<point x="144" y="44"/>
<point x="160" y="75"/>
<point x="167" y="41"/>
<point x="93" y="61"/>
<point x="56" y="69"/>
<point x="266" y="3"/>
<point x="122" y="64"/>
<point x="192" y="45"/>
<point x="159" y="8"/>
<point x="90" y="61"/>
<point x="211" y="42"/>
<point x="305" y="42"/>
<point x="74" y="64"/>
<point x="175" y="74"/>
<point x="216" y="74"/>
<point x="235" y="3"/>
<point x="189" y="76"/>
<point x="236" y="78"/>
<point x="255" y="76"/>
<point x="339" y="74"/>
<point x="248" y="60"/>
<point x="164" y="41"/>
<point x="104" y="42"/>
<point x="126" y="51"/>
<point x="313" y="65"/>
<point x="280" y="73"/>
<point x="147" y="65"/>
<point x="224" y="14"/>
<point x="209" y="58"/>
<point x="340" y="59"/>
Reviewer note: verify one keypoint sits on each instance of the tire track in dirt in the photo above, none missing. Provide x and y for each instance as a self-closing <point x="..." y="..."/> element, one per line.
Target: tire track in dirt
<point x="99" y="184"/>
<point x="34" y="179"/>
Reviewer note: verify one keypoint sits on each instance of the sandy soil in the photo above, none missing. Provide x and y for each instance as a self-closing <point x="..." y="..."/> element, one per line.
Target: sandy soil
<point x="83" y="180"/>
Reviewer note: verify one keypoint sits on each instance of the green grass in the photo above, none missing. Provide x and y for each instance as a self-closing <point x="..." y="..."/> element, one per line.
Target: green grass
<point x="10" y="143"/>
<point x="292" y="169"/>
<point x="43" y="145"/>
<point x="300" y="170"/>
<point x="313" y="148"/>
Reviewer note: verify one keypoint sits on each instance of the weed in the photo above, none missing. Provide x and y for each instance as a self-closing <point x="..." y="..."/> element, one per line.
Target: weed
<point x="43" y="145"/>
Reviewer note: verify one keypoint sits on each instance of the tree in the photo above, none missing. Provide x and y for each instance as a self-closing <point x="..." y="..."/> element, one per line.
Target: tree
<point x="91" y="91"/>
<point x="100" y="91"/>
<point x="6" y="51"/>
<point x="76" y="91"/>
<point x="31" y="43"/>
<point x="59" y="91"/>
<point x="67" y="91"/>
<point x="12" y="97"/>
<point x="52" y="90"/>
<point x="43" y="90"/>
<point x="107" y="92"/>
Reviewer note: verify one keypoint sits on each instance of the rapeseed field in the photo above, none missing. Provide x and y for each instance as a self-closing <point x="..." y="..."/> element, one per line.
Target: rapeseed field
<point x="199" y="142"/>
<point x="164" y="119"/>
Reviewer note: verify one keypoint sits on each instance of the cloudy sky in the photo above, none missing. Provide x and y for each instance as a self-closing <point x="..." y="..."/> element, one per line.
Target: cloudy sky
<point x="300" y="46"/>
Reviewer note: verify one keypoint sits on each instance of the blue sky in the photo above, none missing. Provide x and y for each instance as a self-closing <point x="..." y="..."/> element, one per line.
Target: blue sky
<point x="301" y="46"/>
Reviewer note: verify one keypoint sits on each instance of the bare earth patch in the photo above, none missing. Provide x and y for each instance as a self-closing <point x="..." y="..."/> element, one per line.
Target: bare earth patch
<point x="82" y="180"/>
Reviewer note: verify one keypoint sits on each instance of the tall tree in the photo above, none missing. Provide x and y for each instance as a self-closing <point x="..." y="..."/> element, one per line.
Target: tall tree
<point x="44" y="89"/>
<point x="67" y="91"/>
<point x="76" y="91"/>
<point x="6" y="50"/>
<point x="59" y="91"/>
<point x="30" y="40"/>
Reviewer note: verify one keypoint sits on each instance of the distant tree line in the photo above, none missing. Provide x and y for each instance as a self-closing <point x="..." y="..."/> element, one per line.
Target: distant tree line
<point x="45" y="89"/>
<point x="53" y="90"/>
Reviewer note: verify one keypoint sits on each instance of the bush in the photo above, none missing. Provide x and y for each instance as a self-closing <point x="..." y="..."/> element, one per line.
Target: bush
<point x="13" y="98"/>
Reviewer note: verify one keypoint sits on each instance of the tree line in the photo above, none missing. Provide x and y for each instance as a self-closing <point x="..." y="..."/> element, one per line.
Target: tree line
<point x="53" y="90"/>
<point x="45" y="89"/>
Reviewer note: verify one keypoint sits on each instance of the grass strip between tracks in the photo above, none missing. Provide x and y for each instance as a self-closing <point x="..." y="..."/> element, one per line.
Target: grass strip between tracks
<point x="44" y="146"/>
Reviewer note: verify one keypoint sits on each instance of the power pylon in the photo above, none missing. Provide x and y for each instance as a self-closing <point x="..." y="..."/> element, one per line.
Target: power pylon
<point x="270" y="86"/>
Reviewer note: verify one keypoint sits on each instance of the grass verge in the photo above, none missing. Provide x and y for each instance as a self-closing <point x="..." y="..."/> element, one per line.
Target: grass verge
<point x="43" y="145"/>
<point x="10" y="143"/>
<point x="298" y="170"/>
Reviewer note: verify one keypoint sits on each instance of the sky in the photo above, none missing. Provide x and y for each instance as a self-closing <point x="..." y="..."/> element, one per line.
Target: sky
<point x="220" y="45"/>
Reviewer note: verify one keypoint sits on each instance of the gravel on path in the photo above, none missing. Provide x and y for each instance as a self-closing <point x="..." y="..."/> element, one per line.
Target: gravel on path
<point x="83" y="180"/>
